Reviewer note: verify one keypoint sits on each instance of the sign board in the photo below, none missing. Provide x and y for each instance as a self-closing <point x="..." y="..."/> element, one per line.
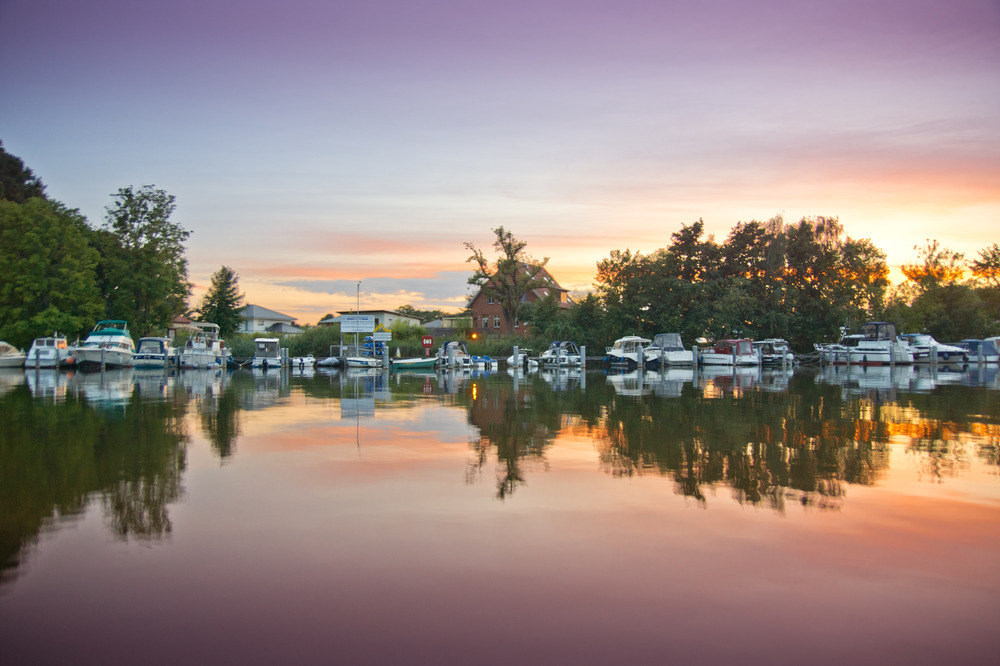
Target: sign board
<point x="357" y="323"/>
<point x="381" y="334"/>
<point x="427" y="341"/>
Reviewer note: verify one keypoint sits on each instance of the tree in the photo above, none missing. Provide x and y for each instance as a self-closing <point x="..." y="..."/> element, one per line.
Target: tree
<point x="510" y="277"/>
<point x="49" y="282"/>
<point x="223" y="301"/>
<point x="987" y="266"/>
<point x="938" y="266"/>
<point x="143" y="269"/>
<point x="17" y="182"/>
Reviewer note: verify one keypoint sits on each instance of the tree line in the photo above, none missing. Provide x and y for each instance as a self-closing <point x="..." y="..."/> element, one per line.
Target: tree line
<point x="60" y="274"/>
<point x="801" y="281"/>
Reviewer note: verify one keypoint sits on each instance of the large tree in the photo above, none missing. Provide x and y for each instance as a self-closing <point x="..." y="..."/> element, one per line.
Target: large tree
<point x="510" y="277"/>
<point x="48" y="266"/>
<point x="144" y="270"/>
<point x="987" y="267"/>
<point x="17" y="182"/>
<point x="223" y="301"/>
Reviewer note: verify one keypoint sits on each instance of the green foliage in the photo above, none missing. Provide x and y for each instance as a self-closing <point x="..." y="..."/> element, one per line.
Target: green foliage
<point x="222" y="302"/>
<point x="48" y="265"/>
<point x="17" y="182"/>
<point x="143" y="269"/>
<point x="768" y="279"/>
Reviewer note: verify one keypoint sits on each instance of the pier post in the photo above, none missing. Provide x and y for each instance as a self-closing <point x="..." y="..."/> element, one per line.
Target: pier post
<point x="517" y="359"/>
<point x="583" y="358"/>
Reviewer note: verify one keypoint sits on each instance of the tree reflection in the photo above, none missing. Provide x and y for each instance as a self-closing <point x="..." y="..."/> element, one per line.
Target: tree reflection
<point x="55" y="455"/>
<point x="514" y="424"/>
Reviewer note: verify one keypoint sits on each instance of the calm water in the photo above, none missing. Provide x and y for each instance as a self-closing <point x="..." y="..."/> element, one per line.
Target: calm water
<point x="814" y="517"/>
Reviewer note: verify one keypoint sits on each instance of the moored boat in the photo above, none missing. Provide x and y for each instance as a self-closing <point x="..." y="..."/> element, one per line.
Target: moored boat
<point x="10" y="356"/>
<point x="49" y="352"/>
<point x="453" y="354"/>
<point x="204" y="349"/>
<point x="928" y="350"/>
<point x="875" y="343"/>
<point x="415" y="363"/>
<point x="153" y="352"/>
<point x="730" y="351"/>
<point x="108" y="345"/>
<point x="774" y="351"/>
<point x="266" y="354"/>
<point x="668" y="350"/>
<point x="981" y="351"/>
<point x="561" y="353"/>
<point x="523" y="359"/>
<point x="628" y="351"/>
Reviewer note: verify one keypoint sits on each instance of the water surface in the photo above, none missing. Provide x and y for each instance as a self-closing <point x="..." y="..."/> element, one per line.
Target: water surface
<point x="817" y="516"/>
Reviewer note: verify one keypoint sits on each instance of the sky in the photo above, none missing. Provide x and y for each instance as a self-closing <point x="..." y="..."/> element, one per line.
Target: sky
<point x="315" y="144"/>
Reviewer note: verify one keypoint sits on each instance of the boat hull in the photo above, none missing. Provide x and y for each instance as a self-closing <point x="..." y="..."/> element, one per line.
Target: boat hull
<point x="90" y="357"/>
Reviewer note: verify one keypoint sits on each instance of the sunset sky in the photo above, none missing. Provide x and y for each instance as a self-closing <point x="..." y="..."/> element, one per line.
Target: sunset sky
<point x="312" y="144"/>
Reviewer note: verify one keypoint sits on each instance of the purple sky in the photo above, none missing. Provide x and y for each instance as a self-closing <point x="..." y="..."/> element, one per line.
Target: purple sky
<point x="314" y="144"/>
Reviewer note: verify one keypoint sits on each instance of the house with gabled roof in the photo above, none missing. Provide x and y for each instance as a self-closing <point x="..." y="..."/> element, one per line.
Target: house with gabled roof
<point x="487" y="312"/>
<point x="257" y="319"/>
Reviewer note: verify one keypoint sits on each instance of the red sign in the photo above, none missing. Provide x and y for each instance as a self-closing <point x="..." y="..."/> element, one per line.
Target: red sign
<point x="427" y="341"/>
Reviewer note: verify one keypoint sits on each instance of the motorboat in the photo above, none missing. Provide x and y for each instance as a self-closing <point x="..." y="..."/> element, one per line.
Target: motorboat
<point x="49" y="352"/>
<point x="561" y="353"/>
<point x="523" y="359"/>
<point x="414" y="363"/>
<point x="628" y="351"/>
<point x="109" y="345"/>
<point x="668" y="350"/>
<point x="369" y="355"/>
<point x="981" y="351"/>
<point x="730" y="351"/>
<point x="10" y="356"/>
<point x="928" y="350"/>
<point x="307" y="361"/>
<point x="774" y="351"/>
<point x="875" y="343"/>
<point x="266" y="354"/>
<point x="454" y="354"/>
<point x="153" y="352"/>
<point x="204" y="349"/>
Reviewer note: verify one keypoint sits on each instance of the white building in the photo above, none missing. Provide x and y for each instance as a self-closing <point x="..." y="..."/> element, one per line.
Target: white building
<point x="257" y="319"/>
<point x="384" y="318"/>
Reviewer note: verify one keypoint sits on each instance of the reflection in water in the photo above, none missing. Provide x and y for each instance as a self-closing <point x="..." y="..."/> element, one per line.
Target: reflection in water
<point x="101" y="439"/>
<point x="770" y="437"/>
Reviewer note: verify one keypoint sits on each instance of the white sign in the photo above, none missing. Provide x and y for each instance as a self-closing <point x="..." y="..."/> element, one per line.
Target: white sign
<point x="382" y="336"/>
<point x="357" y="323"/>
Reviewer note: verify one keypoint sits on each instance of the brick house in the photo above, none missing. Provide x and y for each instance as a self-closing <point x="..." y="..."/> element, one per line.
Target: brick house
<point x="487" y="313"/>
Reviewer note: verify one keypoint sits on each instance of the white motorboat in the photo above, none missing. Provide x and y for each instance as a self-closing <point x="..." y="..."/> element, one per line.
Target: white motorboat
<point x="628" y="351"/>
<point x="730" y="351"/>
<point x="523" y="360"/>
<point x="668" y="350"/>
<point x="204" y="349"/>
<point x="267" y="354"/>
<point x="153" y="352"/>
<point x="928" y="350"/>
<point x="875" y="343"/>
<point x="50" y="352"/>
<point x="307" y="361"/>
<point x="561" y="353"/>
<point x="774" y="351"/>
<point x="454" y="354"/>
<point x="10" y="356"/>
<point x="108" y="345"/>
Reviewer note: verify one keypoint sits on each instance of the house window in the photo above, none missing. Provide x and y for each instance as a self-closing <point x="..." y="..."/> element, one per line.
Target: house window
<point x="490" y="300"/>
<point x="496" y="321"/>
<point x="486" y="321"/>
